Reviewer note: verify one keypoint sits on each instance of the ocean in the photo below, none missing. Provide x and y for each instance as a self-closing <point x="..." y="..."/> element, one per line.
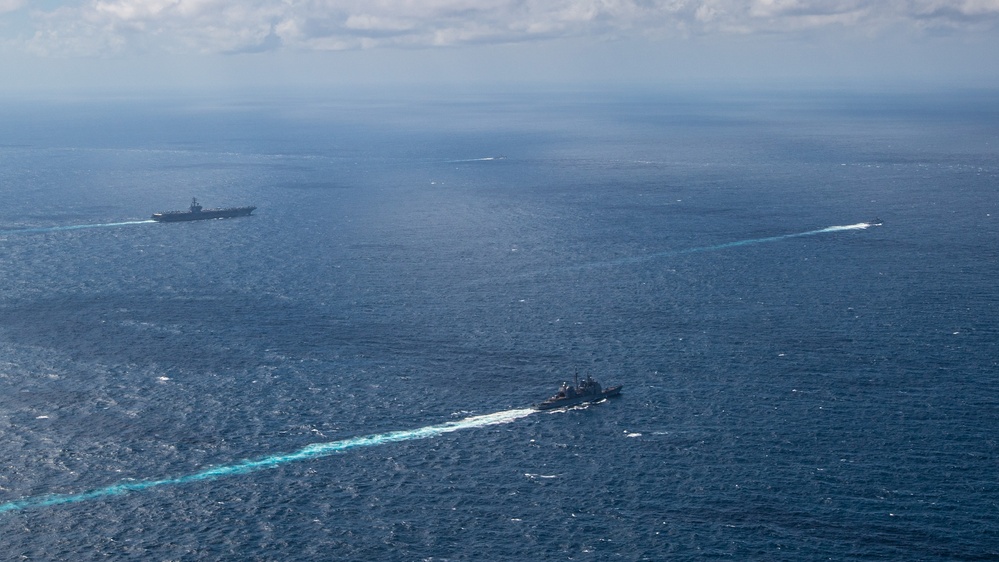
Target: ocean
<point x="797" y="291"/>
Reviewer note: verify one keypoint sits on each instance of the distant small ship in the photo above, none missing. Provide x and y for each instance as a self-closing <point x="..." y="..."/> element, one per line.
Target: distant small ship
<point x="197" y="213"/>
<point x="582" y="392"/>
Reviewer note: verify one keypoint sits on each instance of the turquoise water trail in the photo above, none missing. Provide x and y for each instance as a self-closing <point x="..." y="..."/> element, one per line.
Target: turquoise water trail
<point x="316" y="450"/>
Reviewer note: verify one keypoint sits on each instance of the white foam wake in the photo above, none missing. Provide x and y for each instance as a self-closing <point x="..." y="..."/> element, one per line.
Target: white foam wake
<point x="484" y="159"/>
<point x="316" y="450"/>
<point x="723" y="246"/>
<point x="72" y="227"/>
<point x="858" y="226"/>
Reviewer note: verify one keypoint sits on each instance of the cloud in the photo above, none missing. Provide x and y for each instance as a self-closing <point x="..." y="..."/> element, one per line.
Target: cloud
<point x="10" y="5"/>
<point x="102" y="27"/>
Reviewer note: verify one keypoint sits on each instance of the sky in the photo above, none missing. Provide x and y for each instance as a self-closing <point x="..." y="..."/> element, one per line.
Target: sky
<point x="134" y="45"/>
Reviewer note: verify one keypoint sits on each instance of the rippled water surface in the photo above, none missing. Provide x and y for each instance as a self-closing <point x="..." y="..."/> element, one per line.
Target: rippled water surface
<point x="344" y="374"/>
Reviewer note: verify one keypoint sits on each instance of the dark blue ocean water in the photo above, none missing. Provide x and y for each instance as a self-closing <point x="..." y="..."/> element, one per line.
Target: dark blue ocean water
<point x="792" y="391"/>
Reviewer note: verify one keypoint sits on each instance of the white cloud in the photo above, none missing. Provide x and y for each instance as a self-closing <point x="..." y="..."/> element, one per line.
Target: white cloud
<point x="10" y="5"/>
<point x="99" y="27"/>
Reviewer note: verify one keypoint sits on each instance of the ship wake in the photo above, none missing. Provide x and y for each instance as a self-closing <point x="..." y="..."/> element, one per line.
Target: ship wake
<point x="826" y="230"/>
<point x="750" y="241"/>
<point x="313" y="451"/>
<point x="72" y="227"/>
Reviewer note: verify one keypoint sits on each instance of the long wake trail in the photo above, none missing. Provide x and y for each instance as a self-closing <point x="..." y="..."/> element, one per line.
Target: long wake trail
<point x="319" y="450"/>
<point x="71" y="227"/>
<point x="313" y="451"/>
<point x="724" y="246"/>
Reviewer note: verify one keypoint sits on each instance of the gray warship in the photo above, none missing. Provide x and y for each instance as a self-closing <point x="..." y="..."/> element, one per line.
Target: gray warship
<point x="197" y="213"/>
<point x="582" y="392"/>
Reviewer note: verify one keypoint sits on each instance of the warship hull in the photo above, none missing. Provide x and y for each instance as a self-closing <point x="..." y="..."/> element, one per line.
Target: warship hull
<point x="197" y="213"/>
<point x="569" y="401"/>
<point x="204" y="214"/>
